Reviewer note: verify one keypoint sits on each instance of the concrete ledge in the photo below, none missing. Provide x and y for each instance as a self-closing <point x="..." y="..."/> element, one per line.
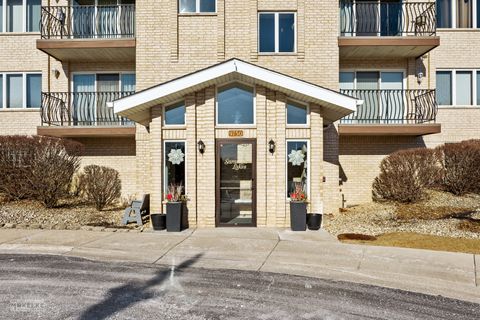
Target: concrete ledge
<point x="388" y="129"/>
<point x="79" y="132"/>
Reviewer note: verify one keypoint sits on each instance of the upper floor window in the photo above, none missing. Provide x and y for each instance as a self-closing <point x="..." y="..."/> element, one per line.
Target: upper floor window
<point x="458" y="13"/>
<point x="20" y="90"/>
<point x="20" y="15"/>
<point x="458" y="87"/>
<point x="197" y="6"/>
<point x="175" y="114"/>
<point x="276" y="32"/>
<point x="296" y="113"/>
<point x="235" y="105"/>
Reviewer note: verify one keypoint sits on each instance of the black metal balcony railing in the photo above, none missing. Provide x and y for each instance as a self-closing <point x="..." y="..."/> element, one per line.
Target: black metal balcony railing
<point x="393" y="107"/>
<point x="81" y="109"/>
<point x="387" y="18"/>
<point x="87" y="22"/>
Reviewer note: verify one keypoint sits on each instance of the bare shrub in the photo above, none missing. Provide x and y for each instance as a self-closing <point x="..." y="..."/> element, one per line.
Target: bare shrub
<point x="461" y="164"/>
<point x="405" y="174"/>
<point x="37" y="167"/>
<point x="100" y="185"/>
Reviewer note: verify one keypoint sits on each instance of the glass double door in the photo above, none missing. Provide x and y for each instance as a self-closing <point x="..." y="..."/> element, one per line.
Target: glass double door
<point x="235" y="182"/>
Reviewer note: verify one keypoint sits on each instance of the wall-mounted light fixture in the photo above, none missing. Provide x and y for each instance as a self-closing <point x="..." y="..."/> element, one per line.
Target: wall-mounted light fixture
<point x="271" y="146"/>
<point x="201" y="146"/>
<point x="56" y="73"/>
<point x="419" y="77"/>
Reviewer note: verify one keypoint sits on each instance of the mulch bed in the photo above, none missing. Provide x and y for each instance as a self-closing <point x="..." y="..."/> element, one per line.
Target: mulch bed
<point x="71" y="214"/>
<point x="440" y="214"/>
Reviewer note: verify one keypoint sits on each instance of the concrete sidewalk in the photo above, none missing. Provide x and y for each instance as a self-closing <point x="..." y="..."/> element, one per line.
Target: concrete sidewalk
<point x="313" y="254"/>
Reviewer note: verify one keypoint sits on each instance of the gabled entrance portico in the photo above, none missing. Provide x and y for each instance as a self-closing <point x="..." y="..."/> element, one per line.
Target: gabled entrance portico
<point x="234" y="109"/>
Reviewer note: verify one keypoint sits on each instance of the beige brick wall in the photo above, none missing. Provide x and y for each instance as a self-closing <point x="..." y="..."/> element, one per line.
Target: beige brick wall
<point x="197" y="41"/>
<point x="116" y="153"/>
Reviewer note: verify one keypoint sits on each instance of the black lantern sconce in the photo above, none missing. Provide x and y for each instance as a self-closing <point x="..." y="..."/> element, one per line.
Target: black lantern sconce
<point x="271" y="146"/>
<point x="201" y="146"/>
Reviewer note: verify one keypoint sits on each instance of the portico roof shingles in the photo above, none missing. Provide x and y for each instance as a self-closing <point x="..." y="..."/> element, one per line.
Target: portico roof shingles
<point x="136" y="107"/>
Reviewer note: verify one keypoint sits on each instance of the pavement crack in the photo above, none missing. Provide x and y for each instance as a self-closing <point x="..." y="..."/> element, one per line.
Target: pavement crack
<point x="475" y="271"/>
<point x="269" y="254"/>
<point x="361" y="259"/>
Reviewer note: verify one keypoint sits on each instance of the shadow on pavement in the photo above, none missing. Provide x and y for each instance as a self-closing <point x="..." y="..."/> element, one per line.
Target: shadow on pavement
<point x="128" y="294"/>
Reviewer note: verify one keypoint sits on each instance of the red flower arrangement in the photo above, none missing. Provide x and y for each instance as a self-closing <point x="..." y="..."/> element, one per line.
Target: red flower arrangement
<point x="298" y="195"/>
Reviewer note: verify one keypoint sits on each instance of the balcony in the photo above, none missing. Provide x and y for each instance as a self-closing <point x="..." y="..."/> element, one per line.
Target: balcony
<point x="383" y="30"/>
<point x="392" y="112"/>
<point x="82" y="114"/>
<point x="88" y="33"/>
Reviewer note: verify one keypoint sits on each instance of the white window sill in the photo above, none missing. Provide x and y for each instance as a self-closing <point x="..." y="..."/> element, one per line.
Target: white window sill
<point x="278" y="54"/>
<point x="9" y="34"/>
<point x="298" y="126"/>
<point x="19" y="109"/>
<point x="197" y="14"/>
<point x="235" y="126"/>
<point x="458" y="107"/>
<point x="174" y="127"/>
<point x="458" y="29"/>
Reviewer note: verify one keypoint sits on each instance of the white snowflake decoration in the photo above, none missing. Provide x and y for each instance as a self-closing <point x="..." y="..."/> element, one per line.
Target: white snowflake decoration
<point x="296" y="157"/>
<point x="176" y="156"/>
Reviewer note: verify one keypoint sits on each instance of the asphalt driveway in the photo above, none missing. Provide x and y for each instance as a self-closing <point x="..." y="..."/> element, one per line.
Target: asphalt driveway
<point x="59" y="287"/>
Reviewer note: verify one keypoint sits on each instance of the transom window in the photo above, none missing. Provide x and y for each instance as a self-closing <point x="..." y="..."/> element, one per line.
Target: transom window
<point x="235" y="105"/>
<point x="297" y="166"/>
<point x="276" y="32"/>
<point x="175" y="114"/>
<point x="20" y="90"/>
<point x="296" y="113"/>
<point x="458" y="13"/>
<point x="20" y="15"/>
<point x="458" y="87"/>
<point x="197" y="6"/>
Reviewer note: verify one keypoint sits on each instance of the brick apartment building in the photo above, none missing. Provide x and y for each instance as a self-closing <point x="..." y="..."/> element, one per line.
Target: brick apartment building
<point x="241" y="101"/>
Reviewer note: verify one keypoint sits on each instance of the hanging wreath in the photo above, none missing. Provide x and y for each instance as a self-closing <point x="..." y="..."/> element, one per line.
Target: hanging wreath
<point x="176" y="156"/>
<point x="296" y="157"/>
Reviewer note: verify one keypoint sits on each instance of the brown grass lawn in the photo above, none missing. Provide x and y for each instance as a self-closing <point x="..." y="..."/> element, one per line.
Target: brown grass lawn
<point x="423" y="241"/>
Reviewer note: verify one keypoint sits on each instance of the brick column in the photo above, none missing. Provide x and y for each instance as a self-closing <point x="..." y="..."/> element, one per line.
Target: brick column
<point x="156" y="156"/>
<point x="205" y="101"/>
<point x="191" y="159"/>
<point x="316" y="159"/>
<point x="282" y="212"/>
<point x="263" y="211"/>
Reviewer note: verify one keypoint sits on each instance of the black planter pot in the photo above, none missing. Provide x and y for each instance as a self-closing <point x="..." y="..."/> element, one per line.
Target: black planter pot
<point x="314" y="220"/>
<point x="158" y="221"/>
<point x="174" y="216"/>
<point x="298" y="216"/>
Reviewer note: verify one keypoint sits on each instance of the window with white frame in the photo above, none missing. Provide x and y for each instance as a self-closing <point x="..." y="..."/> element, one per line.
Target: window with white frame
<point x="297" y="113"/>
<point x="276" y="32"/>
<point x="20" y="15"/>
<point x="458" y="13"/>
<point x="174" y="164"/>
<point x="458" y="87"/>
<point x="197" y="6"/>
<point x="297" y="166"/>
<point x="175" y="114"/>
<point x="235" y="105"/>
<point x="20" y="90"/>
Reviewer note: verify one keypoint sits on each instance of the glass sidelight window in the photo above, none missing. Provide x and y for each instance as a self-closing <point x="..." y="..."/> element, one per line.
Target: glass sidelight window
<point x="276" y="32"/>
<point x="297" y="166"/>
<point x="235" y="105"/>
<point x="174" y="164"/>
